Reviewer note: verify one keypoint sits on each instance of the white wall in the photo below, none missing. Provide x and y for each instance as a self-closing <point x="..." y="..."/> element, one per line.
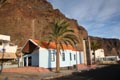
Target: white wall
<point x="42" y="58"/>
<point x="82" y="61"/>
<point x="11" y="49"/>
<point x="99" y="53"/>
<point x="4" y="37"/>
<point x="73" y="61"/>
<point x="8" y="48"/>
<point x="45" y="58"/>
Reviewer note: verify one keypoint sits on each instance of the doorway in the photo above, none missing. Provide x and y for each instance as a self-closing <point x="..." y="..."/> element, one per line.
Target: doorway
<point x="29" y="61"/>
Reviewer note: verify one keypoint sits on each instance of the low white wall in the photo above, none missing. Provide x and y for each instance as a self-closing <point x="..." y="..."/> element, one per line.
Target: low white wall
<point x="45" y="58"/>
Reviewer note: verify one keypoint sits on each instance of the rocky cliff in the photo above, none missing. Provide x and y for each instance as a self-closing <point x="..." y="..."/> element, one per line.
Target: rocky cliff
<point x="110" y="46"/>
<point x="25" y="19"/>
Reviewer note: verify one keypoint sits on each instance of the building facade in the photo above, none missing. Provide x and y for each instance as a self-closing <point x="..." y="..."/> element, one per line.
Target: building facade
<point x="36" y="54"/>
<point x="7" y="49"/>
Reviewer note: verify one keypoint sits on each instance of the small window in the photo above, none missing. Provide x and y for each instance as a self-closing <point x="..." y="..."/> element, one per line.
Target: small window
<point x="74" y="57"/>
<point x="70" y="57"/>
<point x="52" y="57"/>
<point x="0" y="42"/>
<point x="63" y="56"/>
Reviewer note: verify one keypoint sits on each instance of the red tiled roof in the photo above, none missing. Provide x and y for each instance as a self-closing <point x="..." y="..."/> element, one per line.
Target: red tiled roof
<point x="52" y="45"/>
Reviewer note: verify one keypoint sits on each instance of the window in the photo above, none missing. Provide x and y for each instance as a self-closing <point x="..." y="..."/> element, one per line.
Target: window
<point x="70" y="57"/>
<point x="63" y="56"/>
<point x="52" y="57"/>
<point x="0" y="42"/>
<point x="74" y="57"/>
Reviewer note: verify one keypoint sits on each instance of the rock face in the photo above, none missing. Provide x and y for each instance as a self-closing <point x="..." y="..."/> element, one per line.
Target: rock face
<point x="25" y="19"/>
<point x="110" y="46"/>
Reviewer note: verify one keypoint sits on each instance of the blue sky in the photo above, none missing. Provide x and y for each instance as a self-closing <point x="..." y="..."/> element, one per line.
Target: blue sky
<point x="100" y="18"/>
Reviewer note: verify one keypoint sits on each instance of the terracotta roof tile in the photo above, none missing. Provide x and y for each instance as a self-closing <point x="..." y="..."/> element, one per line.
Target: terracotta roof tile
<point x="53" y="46"/>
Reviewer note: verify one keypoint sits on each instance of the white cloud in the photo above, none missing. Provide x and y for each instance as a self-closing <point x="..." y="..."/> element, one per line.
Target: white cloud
<point x="109" y="10"/>
<point x="99" y="17"/>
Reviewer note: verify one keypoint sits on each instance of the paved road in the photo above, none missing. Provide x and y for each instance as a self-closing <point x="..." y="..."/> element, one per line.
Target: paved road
<point x="111" y="72"/>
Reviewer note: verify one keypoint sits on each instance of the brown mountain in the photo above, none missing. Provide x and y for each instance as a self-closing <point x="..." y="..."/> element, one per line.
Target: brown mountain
<point x="25" y="19"/>
<point x="110" y="46"/>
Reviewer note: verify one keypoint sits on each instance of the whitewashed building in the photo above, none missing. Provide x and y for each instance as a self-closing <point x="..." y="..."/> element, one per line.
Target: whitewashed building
<point x="41" y="56"/>
<point x="7" y="50"/>
<point x="99" y="55"/>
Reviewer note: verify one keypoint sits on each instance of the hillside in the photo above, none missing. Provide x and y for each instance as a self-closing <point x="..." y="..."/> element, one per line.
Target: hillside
<point x="110" y="46"/>
<point x="24" y="19"/>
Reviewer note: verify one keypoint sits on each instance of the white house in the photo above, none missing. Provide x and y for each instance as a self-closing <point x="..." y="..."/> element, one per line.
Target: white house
<point x="99" y="54"/>
<point x="7" y="50"/>
<point x="41" y="56"/>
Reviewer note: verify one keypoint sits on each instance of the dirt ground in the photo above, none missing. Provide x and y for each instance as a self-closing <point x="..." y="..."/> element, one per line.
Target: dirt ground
<point x="110" y="72"/>
<point x="19" y="76"/>
<point x="33" y="76"/>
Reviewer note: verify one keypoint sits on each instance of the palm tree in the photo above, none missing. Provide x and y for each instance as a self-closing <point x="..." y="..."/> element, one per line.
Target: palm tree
<point x="60" y="34"/>
<point x="94" y="47"/>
